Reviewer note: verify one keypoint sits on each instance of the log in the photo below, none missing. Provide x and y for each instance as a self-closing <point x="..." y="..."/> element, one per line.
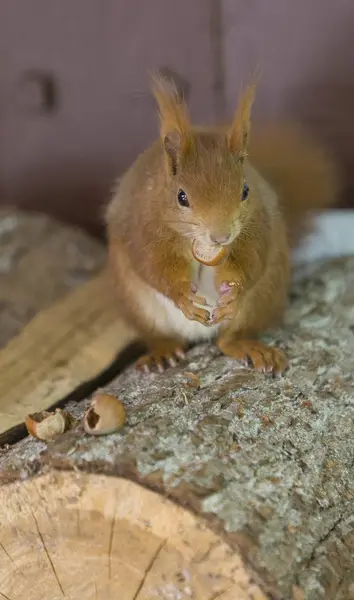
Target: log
<point x="59" y="326"/>
<point x="95" y="537"/>
<point x="41" y="260"/>
<point x="222" y="485"/>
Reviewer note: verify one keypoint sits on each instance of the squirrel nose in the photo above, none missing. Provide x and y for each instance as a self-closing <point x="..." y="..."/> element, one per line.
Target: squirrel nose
<point x="220" y="239"/>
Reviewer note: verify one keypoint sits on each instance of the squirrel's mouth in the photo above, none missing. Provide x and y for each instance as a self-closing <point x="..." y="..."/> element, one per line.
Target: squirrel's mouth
<point x="222" y="238"/>
<point x="209" y="255"/>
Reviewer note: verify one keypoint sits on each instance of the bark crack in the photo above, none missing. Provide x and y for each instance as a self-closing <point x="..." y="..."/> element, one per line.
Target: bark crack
<point x="206" y="554"/>
<point x="3" y="596"/>
<point x="110" y="546"/>
<point x="11" y="559"/>
<point x="48" y="555"/>
<point x="149" y="567"/>
<point x="324" y="538"/>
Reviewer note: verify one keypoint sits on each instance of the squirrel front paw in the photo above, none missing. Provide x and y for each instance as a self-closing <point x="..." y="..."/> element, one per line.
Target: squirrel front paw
<point x="253" y="353"/>
<point x="186" y="299"/>
<point x="162" y="353"/>
<point x="227" y="302"/>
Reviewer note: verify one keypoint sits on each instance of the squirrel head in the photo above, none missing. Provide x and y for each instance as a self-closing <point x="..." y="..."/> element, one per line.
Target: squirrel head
<point x="208" y="195"/>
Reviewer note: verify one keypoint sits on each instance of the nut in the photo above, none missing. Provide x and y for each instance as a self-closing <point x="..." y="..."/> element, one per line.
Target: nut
<point x="208" y="255"/>
<point x="105" y="415"/>
<point x="47" y="426"/>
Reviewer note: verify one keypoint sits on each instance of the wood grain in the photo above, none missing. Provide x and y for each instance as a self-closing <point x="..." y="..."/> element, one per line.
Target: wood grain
<point x="72" y="341"/>
<point x="59" y="324"/>
<point x="88" y="537"/>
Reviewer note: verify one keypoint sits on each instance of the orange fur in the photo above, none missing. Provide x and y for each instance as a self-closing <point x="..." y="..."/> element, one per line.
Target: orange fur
<point x="299" y="169"/>
<point x="239" y="130"/>
<point x="150" y="234"/>
<point x="174" y="121"/>
<point x="172" y="109"/>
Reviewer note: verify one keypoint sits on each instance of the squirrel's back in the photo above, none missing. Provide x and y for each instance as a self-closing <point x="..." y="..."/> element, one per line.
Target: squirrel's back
<point x="303" y="175"/>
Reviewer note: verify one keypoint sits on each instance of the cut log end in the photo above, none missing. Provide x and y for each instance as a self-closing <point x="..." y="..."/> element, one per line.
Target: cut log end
<point x="90" y="537"/>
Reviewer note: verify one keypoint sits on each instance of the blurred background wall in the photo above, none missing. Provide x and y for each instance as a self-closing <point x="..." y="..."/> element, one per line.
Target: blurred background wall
<point x="75" y="109"/>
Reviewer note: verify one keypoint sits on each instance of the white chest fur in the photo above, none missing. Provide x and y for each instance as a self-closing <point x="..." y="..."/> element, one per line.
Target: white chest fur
<point x="171" y="320"/>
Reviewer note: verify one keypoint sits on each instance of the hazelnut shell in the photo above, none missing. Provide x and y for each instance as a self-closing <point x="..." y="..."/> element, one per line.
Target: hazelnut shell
<point x="105" y="415"/>
<point x="209" y="256"/>
<point x="47" y="426"/>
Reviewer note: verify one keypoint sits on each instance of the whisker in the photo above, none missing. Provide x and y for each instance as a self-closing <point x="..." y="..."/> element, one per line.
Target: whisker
<point x="154" y="242"/>
<point x="187" y="234"/>
<point x="182" y="223"/>
<point x="193" y="229"/>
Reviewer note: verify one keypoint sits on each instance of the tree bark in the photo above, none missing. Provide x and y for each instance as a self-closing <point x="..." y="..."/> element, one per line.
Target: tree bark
<point x="264" y="465"/>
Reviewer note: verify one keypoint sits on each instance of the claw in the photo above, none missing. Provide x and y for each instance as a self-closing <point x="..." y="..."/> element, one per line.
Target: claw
<point x="220" y="314"/>
<point x="171" y="361"/>
<point x="253" y="353"/>
<point x="166" y="352"/>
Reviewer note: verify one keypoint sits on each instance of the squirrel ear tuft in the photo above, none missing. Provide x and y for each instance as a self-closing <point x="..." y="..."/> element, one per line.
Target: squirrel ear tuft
<point x="172" y="144"/>
<point x="238" y="134"/>
<point x="175" y="129"/>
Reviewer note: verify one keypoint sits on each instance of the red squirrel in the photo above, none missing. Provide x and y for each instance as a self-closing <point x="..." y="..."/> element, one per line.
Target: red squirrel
<point x="201" y="228"/>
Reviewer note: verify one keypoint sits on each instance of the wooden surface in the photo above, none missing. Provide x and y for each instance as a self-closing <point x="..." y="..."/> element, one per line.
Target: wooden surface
<point x="87" y="537"/>
<point x="267" y="463"/>
<point x="63" y="346"/>
<point x="59" y="324"/>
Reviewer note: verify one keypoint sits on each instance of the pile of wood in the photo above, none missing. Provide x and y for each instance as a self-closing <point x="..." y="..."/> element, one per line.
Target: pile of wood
<point x="221" y="485"/>
<point x="58" y="317"/>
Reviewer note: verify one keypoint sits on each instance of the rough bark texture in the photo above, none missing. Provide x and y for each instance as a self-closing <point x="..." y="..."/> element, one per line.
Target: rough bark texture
<point x="40" y="261"/>
<point x="268" y="462"/>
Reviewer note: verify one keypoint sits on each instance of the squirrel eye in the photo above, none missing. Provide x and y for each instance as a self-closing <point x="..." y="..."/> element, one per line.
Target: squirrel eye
<point x="245" y="191"/>
<point x="182" y="198"/>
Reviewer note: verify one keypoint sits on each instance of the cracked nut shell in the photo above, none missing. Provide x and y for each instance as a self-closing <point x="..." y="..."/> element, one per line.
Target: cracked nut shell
<point x="47" y="426"/>
<point x="105" y="415"/>
<point x="208" y="255"/>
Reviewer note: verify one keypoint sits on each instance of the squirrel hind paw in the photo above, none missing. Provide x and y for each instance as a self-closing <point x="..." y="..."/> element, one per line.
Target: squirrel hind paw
<point x="162" y="355"/>
<point x="255" y="354"/>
